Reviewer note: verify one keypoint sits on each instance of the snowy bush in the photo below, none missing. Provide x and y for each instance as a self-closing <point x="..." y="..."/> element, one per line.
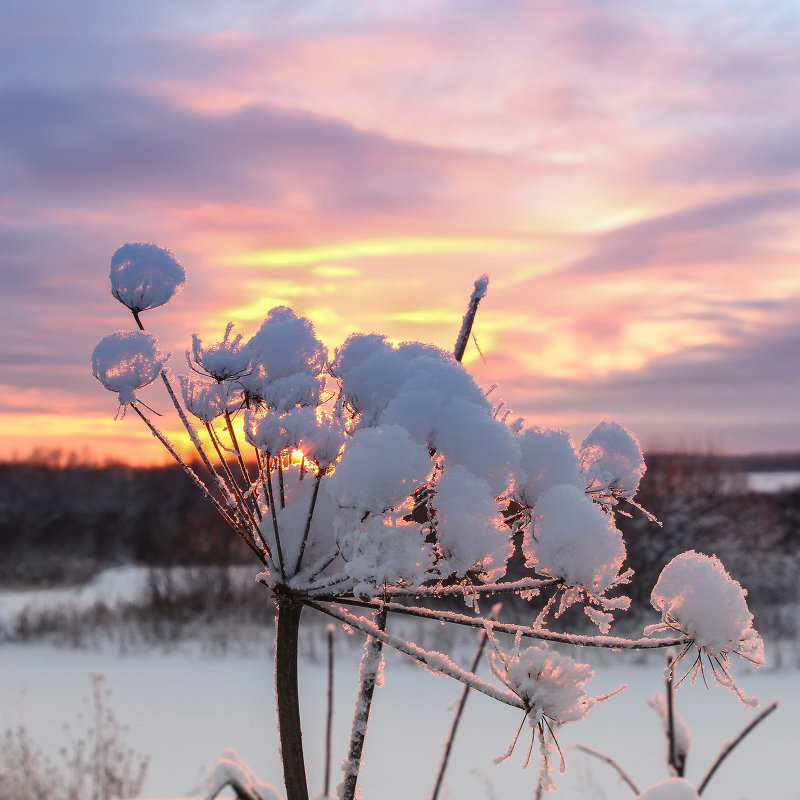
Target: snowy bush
<point x="383" y="481"/>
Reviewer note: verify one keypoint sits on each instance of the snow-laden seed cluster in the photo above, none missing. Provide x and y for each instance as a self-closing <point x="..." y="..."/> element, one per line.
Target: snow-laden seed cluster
<point x="145" y="276"/>
<point x="612" y="460"/>
<point x="125" y="361"/>
<point x="222" y="360"/>
<point x="697" y="595"/>
<point x="670" y="789"/>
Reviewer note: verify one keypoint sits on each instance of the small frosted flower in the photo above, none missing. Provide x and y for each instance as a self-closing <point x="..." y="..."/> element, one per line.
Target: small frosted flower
<point x="611" y="460"/>
<point x="207" y="399"/>
<point x="145" y="276"/>
<point x="125" y="361"/>
<point x="696" y="595"/>
<point x="551" y="686"/>
<point x="225" y="360"/>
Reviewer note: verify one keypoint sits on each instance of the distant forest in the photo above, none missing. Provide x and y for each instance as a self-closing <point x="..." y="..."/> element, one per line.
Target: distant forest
<point x="62" y="520"/>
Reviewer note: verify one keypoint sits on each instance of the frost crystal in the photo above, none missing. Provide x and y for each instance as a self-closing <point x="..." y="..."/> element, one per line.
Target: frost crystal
<point x="125" y="361"/>
<point x="145" y="276"/>
<point x="611" y="459"/>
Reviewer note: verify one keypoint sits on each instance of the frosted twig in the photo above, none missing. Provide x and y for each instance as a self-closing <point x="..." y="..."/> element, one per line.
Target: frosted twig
<point x="438" y="663"/>
<point x="729" y="746"/>
<point x="239" y="458"/>
<point x="232" y="522"/>
<point x="367" y="678"/>
<point x="581" y="640"/>
<point x="448" y="745"/>
<point x="308" y="522"/>
<point x="611" y="763"/>
<point x="477" y="295"/>
<point x="521" y="585"/>
<point x="329" y="716"/>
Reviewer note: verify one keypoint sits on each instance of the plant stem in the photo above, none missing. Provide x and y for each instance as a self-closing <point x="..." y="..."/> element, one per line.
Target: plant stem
<point x="368" y="674"/>
<point x="329" y="719"/>
<point x="291" y="736"/>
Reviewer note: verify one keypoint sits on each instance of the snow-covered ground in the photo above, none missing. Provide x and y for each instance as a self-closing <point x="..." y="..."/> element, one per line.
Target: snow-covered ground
<point x="184" y="708"/>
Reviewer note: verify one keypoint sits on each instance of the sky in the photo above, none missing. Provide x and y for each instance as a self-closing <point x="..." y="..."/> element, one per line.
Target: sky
<point x="627" y="173"/>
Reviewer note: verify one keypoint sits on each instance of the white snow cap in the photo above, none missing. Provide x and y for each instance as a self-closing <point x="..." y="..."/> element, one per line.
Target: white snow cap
<point x="379" y="470"/>
<point x="125" y="361"/>
<point x="469" y="528"/>
<point x="145" y="275"/>
<point x="284" y="345"/>
<point x="232" y="770"/>
<point x="670" y="789"/>
<point x="696" y="594"/>
<point x="547" y="458"/>
<point x="575" y="540"/>
<point x="611" y="458"/>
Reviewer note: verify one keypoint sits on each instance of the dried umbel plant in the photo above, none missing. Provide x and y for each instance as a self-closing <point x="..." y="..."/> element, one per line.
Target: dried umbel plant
<point x="380" y="479"/>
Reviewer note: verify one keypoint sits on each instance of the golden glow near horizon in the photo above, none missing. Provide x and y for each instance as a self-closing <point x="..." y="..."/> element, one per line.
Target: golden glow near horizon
<point x="378" y="248"/>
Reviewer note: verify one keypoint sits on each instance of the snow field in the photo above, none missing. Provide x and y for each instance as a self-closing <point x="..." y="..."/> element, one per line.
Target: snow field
<point x="184" y="709"/>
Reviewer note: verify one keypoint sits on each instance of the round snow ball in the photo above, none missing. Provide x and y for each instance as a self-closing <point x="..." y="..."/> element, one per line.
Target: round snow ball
<point x="145" y="275"/>
<point x="124" y="361"/>
<point x="670" y="789"/>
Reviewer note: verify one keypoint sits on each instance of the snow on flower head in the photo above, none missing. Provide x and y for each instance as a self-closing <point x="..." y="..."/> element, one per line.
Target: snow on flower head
<point x="611" y="459"/>
<point x="125" y="361"/>
<point x="552" y="688"/>
<point x="207" y="399"/>
<point x="285" y="344"/>
<point x="379" y="470"/>
<point x="468" y="527"/>
<point x="145" y="276"/>
<point x="224" y="360"/>
<point x="573" y="539"/>
<point x="548" y="459"/>
<point x="696" y="595"/>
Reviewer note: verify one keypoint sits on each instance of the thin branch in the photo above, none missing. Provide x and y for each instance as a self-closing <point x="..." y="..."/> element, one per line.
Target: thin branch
<point x="308" y="522"/>
<point x="580" y="640"/>
<point x="238" y="454"/>
<point x="466" y="325"/>
<point x="611" y="763"/>
<point x="728" y="747"/>
<point x="367" y="678"/>
<point x="448" y="745"/>
<point x="329" y="716"/>
<point x="438" y="663"/>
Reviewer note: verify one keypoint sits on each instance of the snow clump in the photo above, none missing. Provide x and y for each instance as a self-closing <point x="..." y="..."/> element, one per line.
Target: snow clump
<point x="574" y="539"/>
<point x="207" y="399"/>
<point x="548" y="459"/>
<point x="612" y="460"/>
<point x="145" y="276"/>
<point x="696" y="595"/>
<point x="125" y="361"/>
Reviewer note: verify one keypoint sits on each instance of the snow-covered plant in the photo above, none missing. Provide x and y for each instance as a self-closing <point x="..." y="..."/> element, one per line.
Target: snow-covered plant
<point x="380" y="479"/>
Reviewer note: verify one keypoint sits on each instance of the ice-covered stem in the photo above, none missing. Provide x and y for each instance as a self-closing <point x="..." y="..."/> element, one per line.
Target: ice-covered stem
<point x="367" y="676"/>
<point x="287" y="625"/>
<point x="203" y="488"/>
<point x="308" y="522"/>
<point x="577" y="639"/>
<point x="448" y="745"/>
<point x="273" y="513"/>
<point x="329" y="715"/>
<point x="677" y="762"/>
<point x="466" y="325"/>
<point x="611" y="763"/>
<point x="238" y="453"/>
<point x="438" y="663"/>
<point x="728" y="747"/>
<point x="198" y="445"/>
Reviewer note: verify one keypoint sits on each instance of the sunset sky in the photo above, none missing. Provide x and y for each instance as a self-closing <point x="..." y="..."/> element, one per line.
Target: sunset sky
<point x="627" y="172"/>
